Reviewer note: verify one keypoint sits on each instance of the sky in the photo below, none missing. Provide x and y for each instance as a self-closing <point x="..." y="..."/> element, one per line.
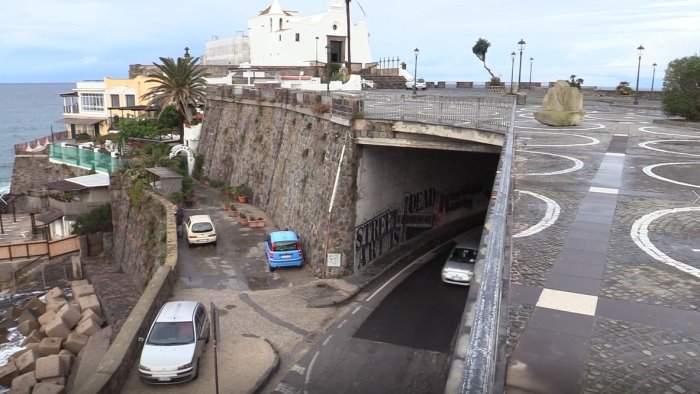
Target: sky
<point x="597" y="40"/>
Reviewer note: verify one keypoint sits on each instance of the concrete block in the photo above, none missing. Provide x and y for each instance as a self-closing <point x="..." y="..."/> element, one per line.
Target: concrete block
<point x="27" y="361"/>
<point x="57" y="328"/>
<point x="88" y="327"/>
<point x="47" y="317"/>
<point x="75" y="304"/>
<point x="34" y="337"/>
<point x="24" y="383"/>
<point x="50" y="386"/>
<point x="36" y="305"/>
<point x="42" y="329"/>
<point x="75" y="342"/>
<point x="54" y="293"/>
<point x="26" y="315"/>
<point x="90" y="302"/>
<point x="90" y="314"/>
<point x="54" y="304"/>
<point x="76" y="283"/>
<point x="27" y="327"/>
<point x="69" y="315"/>
<point x="50" y="345"/>
<point x="50" y="367"/>
<point x="7" y="373"/>
<point x="82" y="291"/>
<point x="67" y="358"/>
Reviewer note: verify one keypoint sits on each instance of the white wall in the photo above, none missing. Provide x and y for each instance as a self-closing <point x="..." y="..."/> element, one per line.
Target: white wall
<point x="270" y="46"/>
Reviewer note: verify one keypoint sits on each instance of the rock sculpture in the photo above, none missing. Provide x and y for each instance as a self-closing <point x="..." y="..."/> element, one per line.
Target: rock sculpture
<point x="562" y="106"/>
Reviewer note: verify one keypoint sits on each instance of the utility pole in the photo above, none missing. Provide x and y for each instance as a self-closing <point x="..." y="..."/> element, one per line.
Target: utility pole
<point x="347" y="16"/>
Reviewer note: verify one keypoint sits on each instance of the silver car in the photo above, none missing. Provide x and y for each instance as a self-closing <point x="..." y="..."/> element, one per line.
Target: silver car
<point x="175" y="343"/>
<point x="459" y="267"/>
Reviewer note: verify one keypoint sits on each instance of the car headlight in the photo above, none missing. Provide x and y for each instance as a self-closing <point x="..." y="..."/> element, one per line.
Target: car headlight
<point x="185" y="366"/>
<point x="145" y="368"/>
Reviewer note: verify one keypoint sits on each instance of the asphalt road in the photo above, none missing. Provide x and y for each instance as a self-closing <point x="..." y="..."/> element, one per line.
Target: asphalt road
<point x="397" y="339"/>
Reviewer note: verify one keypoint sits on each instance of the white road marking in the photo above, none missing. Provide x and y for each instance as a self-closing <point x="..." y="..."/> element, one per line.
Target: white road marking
<point x="298" y="369"/>
<point x="640" y="235"/>
<point x="695" y="250"/>
<point x="598" y="126"/>
<point x="550" y="216"/>
<point x="417" y="261"/>
<point x="357" y="309"/>
<point x="342" y="323"/>
<point x="284" y="388"/>
<point x="619" y="135"/>
<point x="649" y="170"/>
<point x="646" y="130"/>
<point x="308" y="371"/>
<point x="646" y="146"/>
<point x="606" y="190"/>
<point x="614" y="154"/>
<point x="594" y="141"/>
<point x="578" y="164"/>
<point x="327" y="340"/>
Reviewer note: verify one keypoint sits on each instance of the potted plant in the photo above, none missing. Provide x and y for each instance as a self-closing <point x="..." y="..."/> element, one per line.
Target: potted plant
<point x="225" y="204"/>
<point x="242" y="218"/>
<point x="242" y="192"/>
<point x="256" y="221"/>
<point x="232" y="210"/>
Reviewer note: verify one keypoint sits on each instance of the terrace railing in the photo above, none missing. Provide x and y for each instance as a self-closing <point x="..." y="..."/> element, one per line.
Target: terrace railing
<point x="487" y="113"/>
<point x="87" y="158"/>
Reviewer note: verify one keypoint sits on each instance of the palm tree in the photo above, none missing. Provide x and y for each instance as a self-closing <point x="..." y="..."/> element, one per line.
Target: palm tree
<point x="180" y="83"/>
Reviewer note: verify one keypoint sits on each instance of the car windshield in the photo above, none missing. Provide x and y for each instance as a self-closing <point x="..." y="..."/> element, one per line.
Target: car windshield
<point x="201" y="227"/>
<point x="463" y="255"/>
<point x="284" y="246"/>
<point x="171" y="333"/>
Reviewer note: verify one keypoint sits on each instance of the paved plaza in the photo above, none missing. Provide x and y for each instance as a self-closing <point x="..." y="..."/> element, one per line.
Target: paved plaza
<point x="605" y="272"/>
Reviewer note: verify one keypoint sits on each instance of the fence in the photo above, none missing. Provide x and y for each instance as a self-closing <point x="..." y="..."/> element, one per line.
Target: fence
<point x="473" y="112"/>
<point x="28" y="250"/>
<point x="84" y="157"/>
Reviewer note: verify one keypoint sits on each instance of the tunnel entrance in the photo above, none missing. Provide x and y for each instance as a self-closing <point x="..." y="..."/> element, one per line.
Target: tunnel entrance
<point x="402" y="192"/>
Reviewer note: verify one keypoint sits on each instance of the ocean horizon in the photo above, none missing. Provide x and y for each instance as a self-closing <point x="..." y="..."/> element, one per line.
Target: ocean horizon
<point x="27" y="111"/>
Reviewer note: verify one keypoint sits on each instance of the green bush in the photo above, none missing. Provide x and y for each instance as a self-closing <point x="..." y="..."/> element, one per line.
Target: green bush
<point x="681" y="93"/>
<point x="99" y="219"/>
<point x="624" y="88"/>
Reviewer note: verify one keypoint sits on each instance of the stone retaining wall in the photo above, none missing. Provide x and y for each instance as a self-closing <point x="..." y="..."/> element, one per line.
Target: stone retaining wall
<point x="288" y="154"/>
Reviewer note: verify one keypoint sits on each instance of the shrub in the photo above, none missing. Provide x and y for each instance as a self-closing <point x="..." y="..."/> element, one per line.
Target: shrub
<point x="624" y="88"/>
<point x="99" y="219"/>
<point x="575" y="82"/>
<point x="681" y="93"/>
<point x="321" y="108"/>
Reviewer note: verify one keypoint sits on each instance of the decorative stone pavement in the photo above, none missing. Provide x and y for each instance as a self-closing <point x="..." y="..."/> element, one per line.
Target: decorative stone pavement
<point x="605" y="272"/>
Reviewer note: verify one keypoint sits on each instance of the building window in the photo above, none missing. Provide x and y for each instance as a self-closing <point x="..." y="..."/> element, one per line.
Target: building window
<point x="280" y="23"/>
<point x="114" y="100"/>
<point x="270" y="25"/>
<point x="92" y="102"/>
<point x="335" y="27"/>
<point x="297" y="36"/>
<point x="279" y="37"/>
<point x="130" y="100"/>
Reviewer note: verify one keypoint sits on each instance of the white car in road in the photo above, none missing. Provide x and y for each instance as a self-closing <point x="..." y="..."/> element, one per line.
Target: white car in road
<point x="420" y="84"/>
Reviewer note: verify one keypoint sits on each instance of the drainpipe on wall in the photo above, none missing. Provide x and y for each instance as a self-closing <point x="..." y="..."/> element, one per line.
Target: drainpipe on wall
<point x="330" y="211"/>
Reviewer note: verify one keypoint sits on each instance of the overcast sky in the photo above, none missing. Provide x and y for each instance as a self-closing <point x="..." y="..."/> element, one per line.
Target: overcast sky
<point x="74" y="40"/>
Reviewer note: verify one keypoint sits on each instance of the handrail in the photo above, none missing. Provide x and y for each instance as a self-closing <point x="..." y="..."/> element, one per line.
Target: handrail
<point x="475" y="364"/>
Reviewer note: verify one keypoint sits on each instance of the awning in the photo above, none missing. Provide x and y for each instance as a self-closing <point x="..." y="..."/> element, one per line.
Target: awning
<point x="65" y="186"/>
<point x="80" y="121"/>
<point x="49" y="216"/>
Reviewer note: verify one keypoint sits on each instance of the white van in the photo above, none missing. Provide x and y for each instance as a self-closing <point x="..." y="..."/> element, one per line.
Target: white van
<point x="175" y="343"/>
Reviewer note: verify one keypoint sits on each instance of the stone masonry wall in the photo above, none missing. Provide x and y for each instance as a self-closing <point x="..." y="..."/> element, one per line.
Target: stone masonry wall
<point x="139" y="235"/>
<point x="33" y="172"/>
<point x="288" y="154"/>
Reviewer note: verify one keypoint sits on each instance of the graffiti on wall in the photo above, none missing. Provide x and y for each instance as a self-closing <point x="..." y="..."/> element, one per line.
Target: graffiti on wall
<point x="375" y="236"/>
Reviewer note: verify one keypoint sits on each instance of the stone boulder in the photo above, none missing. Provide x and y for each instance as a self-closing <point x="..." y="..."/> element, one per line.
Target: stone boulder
<point x="561" y="106"/>
<point x="7" y="373"/>
<point x="24" y="383"/>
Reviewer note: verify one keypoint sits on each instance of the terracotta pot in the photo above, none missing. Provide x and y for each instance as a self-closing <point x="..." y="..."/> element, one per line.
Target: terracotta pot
<point x="243" y="221"/>
<point x="256" y="223"/>
<point x="241" y="198"/>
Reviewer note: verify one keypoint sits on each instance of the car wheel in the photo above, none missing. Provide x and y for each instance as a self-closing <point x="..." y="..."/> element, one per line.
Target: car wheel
<point x="196" y="370"/>
<point x="272" y="268"/>
<point x="189" y="245"/>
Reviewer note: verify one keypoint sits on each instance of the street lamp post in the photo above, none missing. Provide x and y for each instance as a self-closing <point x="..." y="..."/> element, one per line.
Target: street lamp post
<point x="415" y="70"/>
<point x="521" y="47"/>
<point x="640" y="50"/>
<point x="328" y="75"/>
<point x="529" y="84"/>
<point x="512" y="67"/>
<point x="653" y="74"/>
<point x="316" y="64"/>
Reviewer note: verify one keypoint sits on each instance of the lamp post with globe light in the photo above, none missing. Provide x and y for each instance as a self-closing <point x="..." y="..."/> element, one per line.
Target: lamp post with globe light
<point x="521" y="47"/>
<point x="640" y="50"/>
<point x="653" y="74"/>
<point x="529" y="84"/>
<point x="415" y="70"/>
<point x="512" y="67"/>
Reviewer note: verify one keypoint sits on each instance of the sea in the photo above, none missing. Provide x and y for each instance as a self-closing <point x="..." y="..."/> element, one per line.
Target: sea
<point x="27" y="111"/>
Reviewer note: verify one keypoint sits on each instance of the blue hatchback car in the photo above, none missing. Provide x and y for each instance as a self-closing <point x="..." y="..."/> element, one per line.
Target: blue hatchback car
<point x="282" y="249"/>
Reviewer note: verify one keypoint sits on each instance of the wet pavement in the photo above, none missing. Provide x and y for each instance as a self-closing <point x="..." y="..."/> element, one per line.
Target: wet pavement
<point x="605" y="279"/>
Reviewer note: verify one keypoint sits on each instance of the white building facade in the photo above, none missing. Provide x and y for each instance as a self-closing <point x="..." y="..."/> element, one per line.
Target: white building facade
<point x="283" y="38"/>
